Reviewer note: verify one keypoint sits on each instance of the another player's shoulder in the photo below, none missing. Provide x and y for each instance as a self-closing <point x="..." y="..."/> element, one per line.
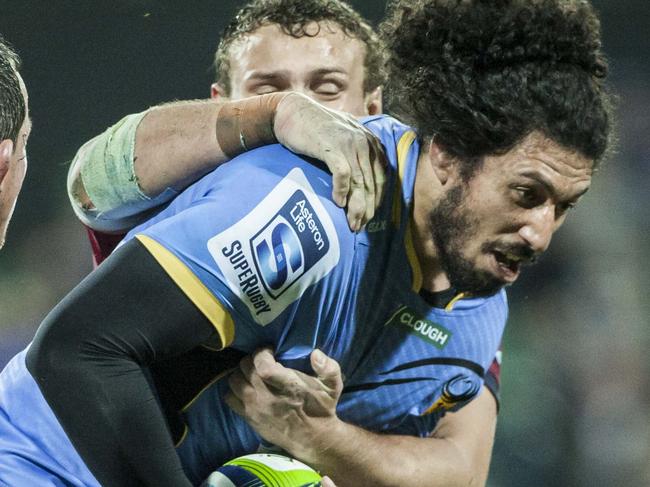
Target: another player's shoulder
<point x="253" y="183"/>
<point x="386" y="127"/>
<point x="390" y="131"/>
<point x="260" y="171"/>
<point x="258" y="235"/>
<point x="291" y="233"/>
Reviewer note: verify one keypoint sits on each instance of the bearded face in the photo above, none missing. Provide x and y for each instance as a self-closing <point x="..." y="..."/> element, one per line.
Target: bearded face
<point x="453" y="225"/>
<point x="488" y="224"/>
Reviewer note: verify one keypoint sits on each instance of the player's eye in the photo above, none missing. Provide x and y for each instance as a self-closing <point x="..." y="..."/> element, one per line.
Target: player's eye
<point x="328" y="88"/>
<point x="527" y="196"/>
<point x="265" y="89"/>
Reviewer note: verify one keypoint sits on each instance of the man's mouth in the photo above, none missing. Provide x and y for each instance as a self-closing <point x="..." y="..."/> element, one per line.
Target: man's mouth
<point x="508" y="265"/>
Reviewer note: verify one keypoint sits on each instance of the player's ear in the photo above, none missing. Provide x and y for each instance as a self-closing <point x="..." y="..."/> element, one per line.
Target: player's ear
<point x="218" y="92"/>
<point x="374" y="101"/>
<point x="444" y="165"/>
<point x="6" y="150"/>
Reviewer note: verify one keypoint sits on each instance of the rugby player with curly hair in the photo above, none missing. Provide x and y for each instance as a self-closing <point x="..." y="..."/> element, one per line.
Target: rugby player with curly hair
<point x="269" y="46"/>
<point x="513" y="118"/>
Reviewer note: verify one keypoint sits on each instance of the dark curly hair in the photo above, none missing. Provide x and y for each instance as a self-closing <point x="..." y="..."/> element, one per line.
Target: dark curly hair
<point x="480" y="75"/>
<point x="293" y="16"/>
<point x="12" y="102"/>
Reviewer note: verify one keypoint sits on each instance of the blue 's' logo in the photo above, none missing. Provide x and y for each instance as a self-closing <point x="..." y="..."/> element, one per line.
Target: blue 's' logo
<point x="273" y="265"/>
<point x="289" y="245"/>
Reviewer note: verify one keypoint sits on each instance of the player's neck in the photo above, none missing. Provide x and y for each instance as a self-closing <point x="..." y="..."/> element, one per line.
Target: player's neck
<point x="426" y="193"/>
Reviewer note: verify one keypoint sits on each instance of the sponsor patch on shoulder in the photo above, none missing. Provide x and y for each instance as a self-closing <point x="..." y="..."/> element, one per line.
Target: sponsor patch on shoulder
<point x="284" y="245"/>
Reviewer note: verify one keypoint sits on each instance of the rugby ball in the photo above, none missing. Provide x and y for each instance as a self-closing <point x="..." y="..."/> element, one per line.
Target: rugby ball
<point x="264" y="470"/>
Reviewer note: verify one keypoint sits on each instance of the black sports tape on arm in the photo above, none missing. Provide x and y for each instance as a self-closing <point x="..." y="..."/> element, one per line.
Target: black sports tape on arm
<point x="88" y="358"/>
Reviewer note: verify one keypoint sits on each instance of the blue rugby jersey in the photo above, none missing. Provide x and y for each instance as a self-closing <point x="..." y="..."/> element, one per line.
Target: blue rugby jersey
<point x="34" y="449"/>
<point x="262" y="249"/>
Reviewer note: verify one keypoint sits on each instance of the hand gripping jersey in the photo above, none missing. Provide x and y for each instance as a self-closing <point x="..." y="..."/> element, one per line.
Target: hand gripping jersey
<point x="260" y="247"/>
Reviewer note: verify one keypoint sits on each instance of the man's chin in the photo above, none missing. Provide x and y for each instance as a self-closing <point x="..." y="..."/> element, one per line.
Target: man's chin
<point x="479" y="284"/>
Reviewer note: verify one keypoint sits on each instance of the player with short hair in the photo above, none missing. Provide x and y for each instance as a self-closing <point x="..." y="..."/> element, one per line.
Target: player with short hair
<point x="15" y="126"/>
<point x="234" y="57"/>
<point x="340" y="64"/>
<point x="282" y="267"/>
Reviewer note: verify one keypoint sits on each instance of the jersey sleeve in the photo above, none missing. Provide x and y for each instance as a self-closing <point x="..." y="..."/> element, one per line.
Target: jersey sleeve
<point x="493" y="378"/>
<point x="102" y="244"/>
<point x="253" y="242"/>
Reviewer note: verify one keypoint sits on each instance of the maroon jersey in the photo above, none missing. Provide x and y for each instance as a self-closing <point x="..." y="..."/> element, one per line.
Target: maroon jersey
<point x="102" y="244"/>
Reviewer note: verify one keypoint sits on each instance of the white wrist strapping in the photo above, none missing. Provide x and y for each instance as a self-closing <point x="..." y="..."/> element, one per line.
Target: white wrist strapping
<point x="109" y="178"/>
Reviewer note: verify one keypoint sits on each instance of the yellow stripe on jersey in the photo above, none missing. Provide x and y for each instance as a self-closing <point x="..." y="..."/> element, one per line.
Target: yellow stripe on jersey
<point x="452" y="303"/>
<point x="210" y="347"/>
<point x="216" y="378"/>
<point x="183" y="436"/>
<point x="184" y="409"/>
<point x="442" y="403"/>
<point x="403" y="146"/>
<point x="194" y="289"/>
<point x="413" y="259"/>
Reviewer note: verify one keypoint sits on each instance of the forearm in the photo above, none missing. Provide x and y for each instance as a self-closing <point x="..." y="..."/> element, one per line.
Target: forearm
<point x="458" y="452"/>
<point x="352" y="456"/>
<point x="122" y="435"/>
<point x="141" y="162"/>
<point x="145" y="159"/>
<point x="175" y="144"/>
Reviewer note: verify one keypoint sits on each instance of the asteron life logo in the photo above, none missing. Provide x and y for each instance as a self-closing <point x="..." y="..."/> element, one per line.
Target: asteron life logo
<point x="284" y="245"/>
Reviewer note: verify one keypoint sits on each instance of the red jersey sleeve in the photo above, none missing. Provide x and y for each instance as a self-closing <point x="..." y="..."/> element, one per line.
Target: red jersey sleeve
<point x="102" y="244"/>
<point x="493" y="378"/>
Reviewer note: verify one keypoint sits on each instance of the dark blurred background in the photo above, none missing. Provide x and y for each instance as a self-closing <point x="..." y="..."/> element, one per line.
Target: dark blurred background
<point x="576" y="395"/>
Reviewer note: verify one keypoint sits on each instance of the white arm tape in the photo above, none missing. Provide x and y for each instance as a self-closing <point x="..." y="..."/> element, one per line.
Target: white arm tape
<point x="109" y="179"/>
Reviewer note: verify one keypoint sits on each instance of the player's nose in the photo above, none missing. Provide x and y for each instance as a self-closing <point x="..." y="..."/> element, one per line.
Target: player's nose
<point x="538" y="229"/>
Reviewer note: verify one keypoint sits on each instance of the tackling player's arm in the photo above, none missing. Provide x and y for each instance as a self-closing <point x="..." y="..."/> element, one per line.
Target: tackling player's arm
<point x="145" y="159"/>
<point x="89" y="357"/>
<point x="457" y="453"/>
